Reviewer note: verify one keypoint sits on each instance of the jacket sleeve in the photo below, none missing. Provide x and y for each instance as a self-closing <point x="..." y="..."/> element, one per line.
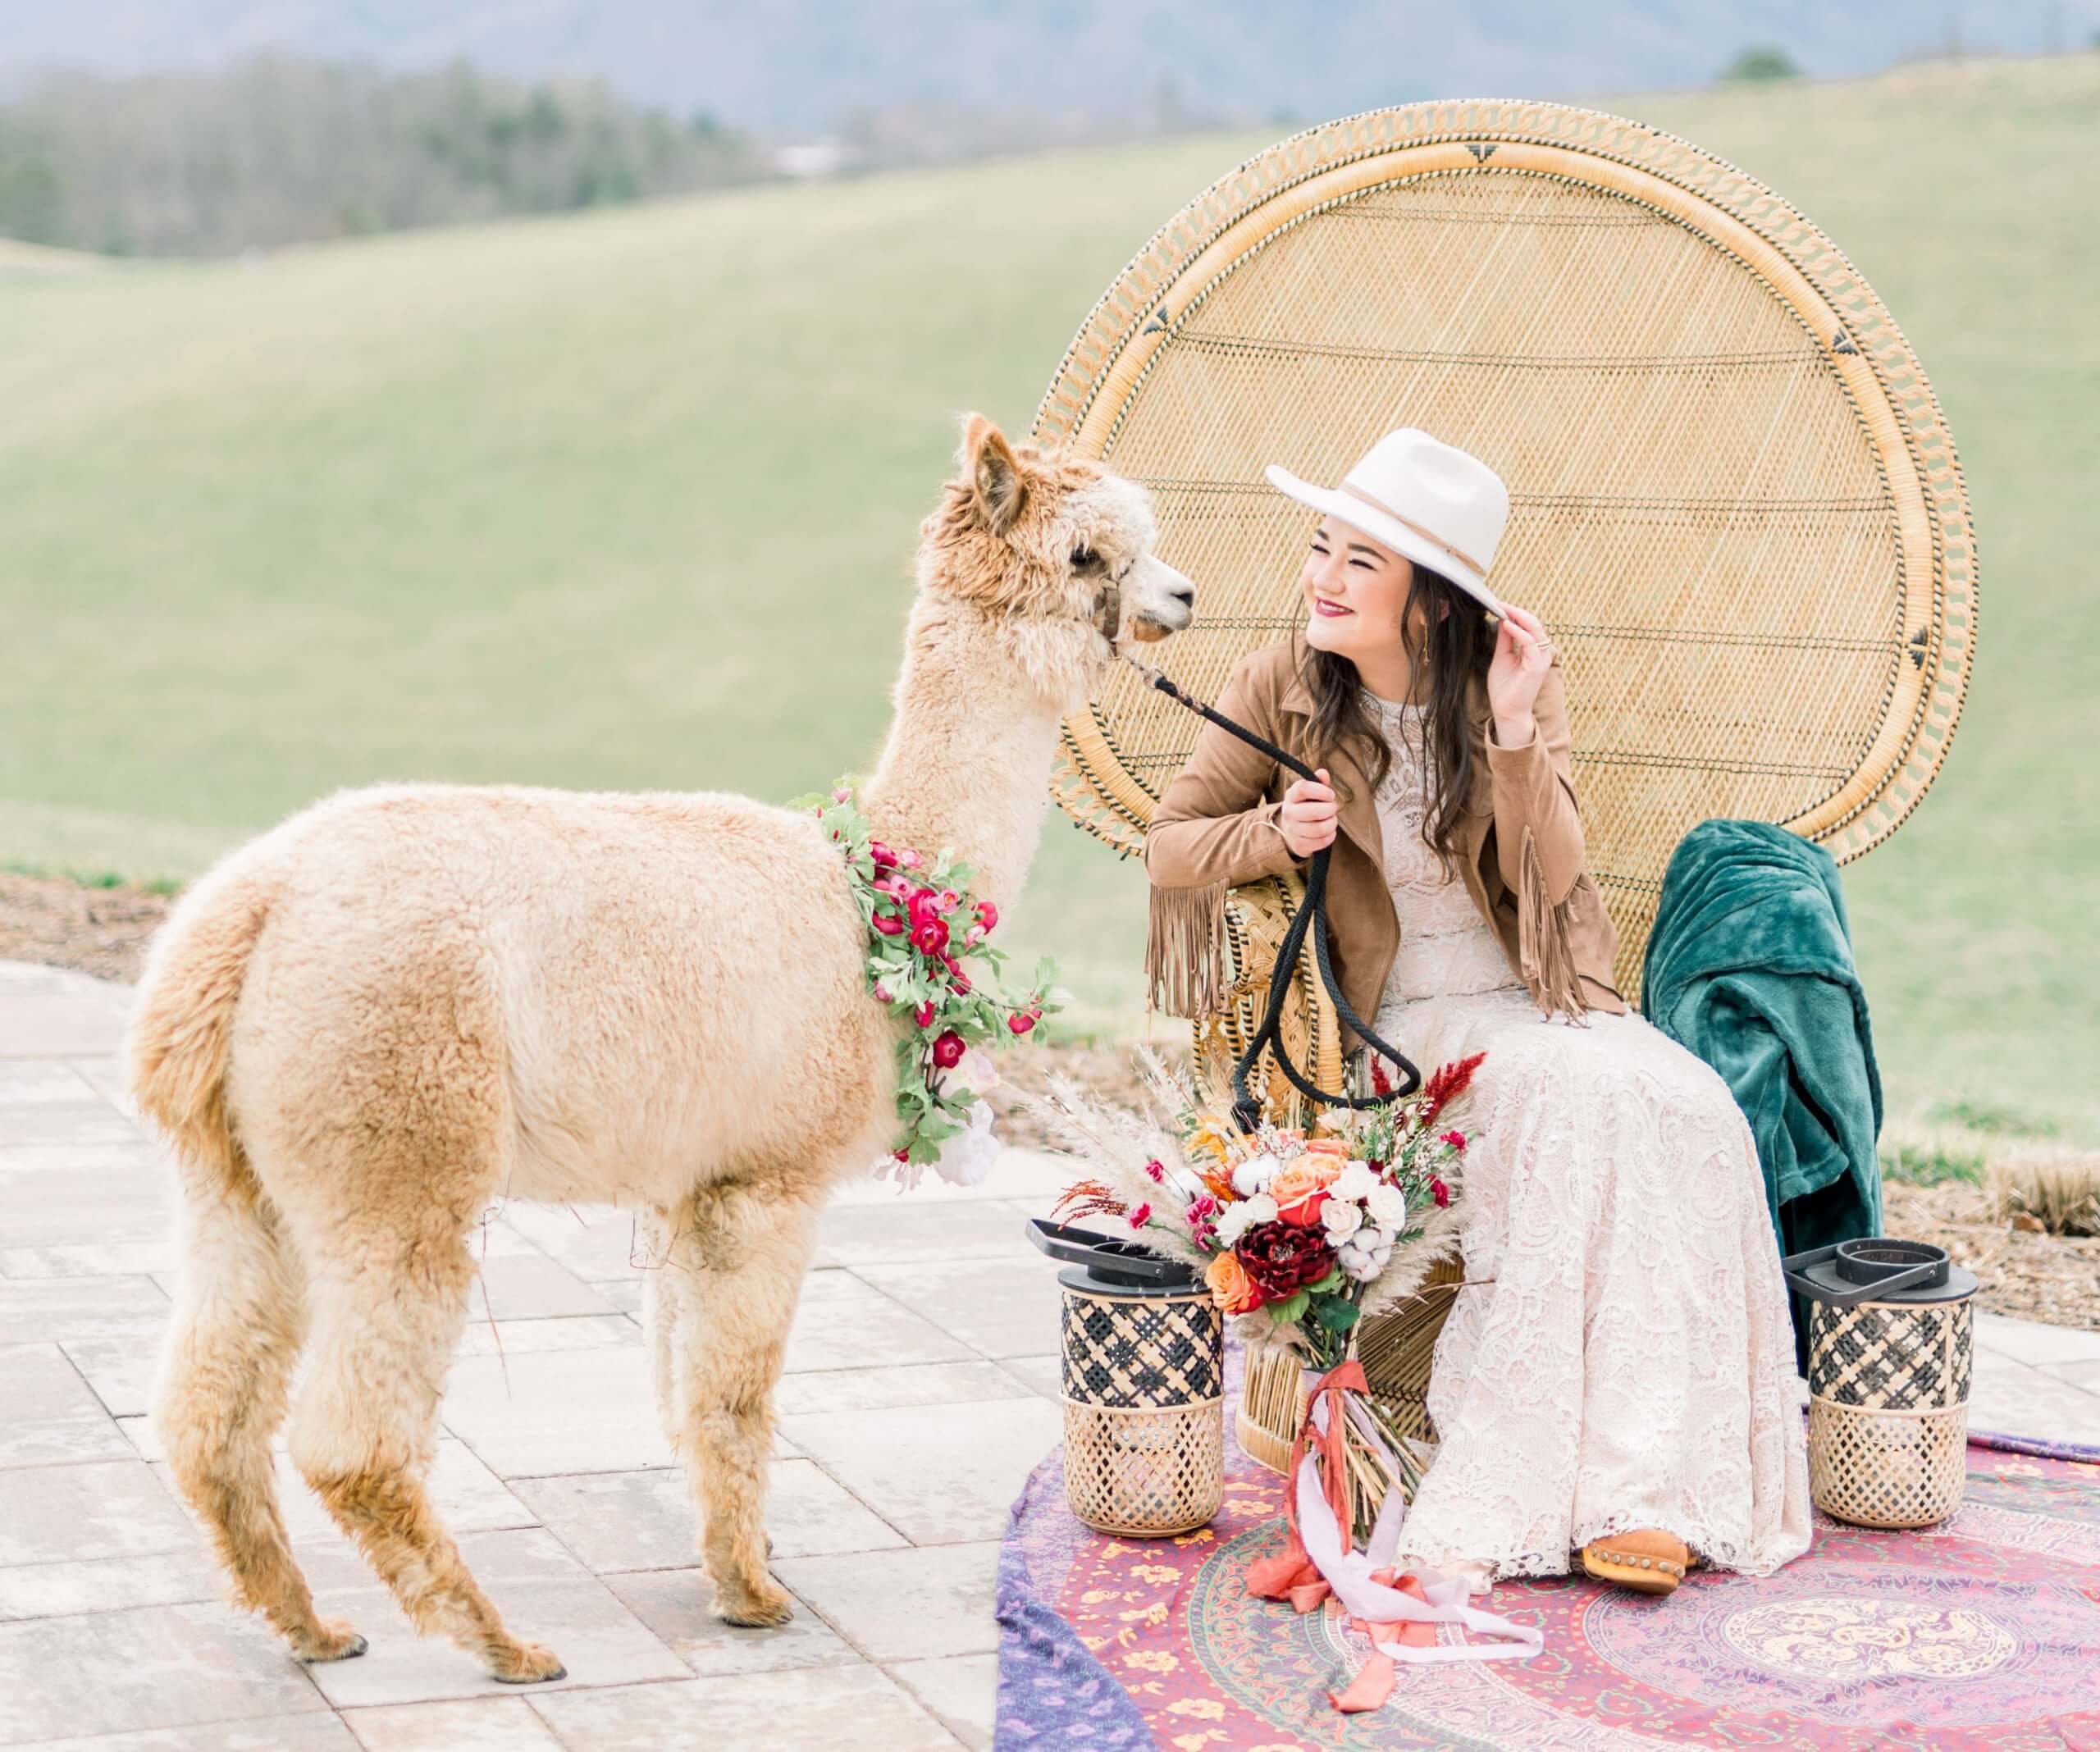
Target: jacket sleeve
<point x="1215" y="828"/>
<point x="1539" y="846"/>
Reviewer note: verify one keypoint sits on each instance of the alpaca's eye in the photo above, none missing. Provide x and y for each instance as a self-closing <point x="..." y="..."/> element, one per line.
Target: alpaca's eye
<point x="1084" y="558"/>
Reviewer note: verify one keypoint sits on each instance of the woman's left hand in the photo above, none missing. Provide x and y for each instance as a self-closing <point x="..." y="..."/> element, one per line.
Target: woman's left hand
<point x="1522" y="656"/>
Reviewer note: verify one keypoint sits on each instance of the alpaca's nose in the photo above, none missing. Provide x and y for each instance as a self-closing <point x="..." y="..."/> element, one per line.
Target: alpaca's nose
<point x="1186" y="596"/>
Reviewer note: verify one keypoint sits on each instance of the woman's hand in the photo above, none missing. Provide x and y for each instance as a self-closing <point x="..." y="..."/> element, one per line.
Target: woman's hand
<point x="1307" y="816"/>
<point x="1522" y="656"/>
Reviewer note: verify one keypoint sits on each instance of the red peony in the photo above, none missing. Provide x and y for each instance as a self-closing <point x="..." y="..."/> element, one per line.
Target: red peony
<point x="947" y="1049"/>
<point x="884" y="858"/>
<point x="1281" y="1259"/>
<point x="929" y="936"/>
<point x="887" y="922"/>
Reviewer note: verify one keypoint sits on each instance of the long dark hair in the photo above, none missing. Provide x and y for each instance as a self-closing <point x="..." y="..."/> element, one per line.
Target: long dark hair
<point x="1455" y="642"/>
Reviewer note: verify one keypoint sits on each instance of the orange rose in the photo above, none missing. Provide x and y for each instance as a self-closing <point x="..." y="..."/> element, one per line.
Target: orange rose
<point x="1231" y="1287"/>
<point x="1300" y="1188"/>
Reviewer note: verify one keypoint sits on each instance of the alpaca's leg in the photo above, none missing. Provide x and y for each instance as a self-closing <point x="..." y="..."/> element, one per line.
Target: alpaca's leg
<point x="662" y="1314"/>
<point x="220" y="1395"/>
<point x="387" y="1314"/>
<point x="739" y="1258"/>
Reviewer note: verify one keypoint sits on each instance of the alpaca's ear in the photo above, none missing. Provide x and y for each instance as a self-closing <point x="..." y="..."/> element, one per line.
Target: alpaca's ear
<point x="994" y="471"/>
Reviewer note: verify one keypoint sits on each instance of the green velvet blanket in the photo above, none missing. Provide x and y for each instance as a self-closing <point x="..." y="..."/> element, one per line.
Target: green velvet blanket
<point x="1750" y="966"/>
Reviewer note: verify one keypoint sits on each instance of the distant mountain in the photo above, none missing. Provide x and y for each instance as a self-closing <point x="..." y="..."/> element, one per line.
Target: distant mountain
<point x="789" y="67"/>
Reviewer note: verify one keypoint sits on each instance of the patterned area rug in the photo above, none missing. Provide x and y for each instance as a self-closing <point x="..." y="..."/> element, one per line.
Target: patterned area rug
<point x="1983" y="1633"/>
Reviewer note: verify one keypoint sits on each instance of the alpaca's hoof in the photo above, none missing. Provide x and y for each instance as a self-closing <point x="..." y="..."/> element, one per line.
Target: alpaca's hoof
<point x="525" y="1663"/>
<point x="330" y="1640"/>
<point x="753" y="1609"/>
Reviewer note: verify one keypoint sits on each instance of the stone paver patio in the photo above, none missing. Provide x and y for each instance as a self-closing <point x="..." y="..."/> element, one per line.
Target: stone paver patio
<point x="920" y="1392"/>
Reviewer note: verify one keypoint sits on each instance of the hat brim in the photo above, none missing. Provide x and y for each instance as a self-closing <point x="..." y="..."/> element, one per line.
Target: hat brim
<point x="1348" y="509"/>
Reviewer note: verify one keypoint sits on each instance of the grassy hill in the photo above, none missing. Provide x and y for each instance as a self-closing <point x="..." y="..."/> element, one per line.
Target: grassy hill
<point x="629" y="499"/>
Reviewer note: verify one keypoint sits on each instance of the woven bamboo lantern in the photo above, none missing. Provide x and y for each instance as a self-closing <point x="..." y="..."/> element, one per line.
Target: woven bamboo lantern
<point x="1888" y="1369"/>
<point x="1733" y="497"/>
<point x="1144" y="1380"/>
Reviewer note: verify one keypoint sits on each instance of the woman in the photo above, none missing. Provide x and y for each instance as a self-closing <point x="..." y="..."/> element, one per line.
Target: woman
<point x="1617" y="1376"/>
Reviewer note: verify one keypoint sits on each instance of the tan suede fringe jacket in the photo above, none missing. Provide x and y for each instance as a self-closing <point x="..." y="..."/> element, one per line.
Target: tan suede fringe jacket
<point x="1520" y="851"/>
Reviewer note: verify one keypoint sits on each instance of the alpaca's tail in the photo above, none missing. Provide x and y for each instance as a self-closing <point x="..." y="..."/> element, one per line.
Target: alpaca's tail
<point x="240" y="1317"/>
<point x="180" y="1036"/>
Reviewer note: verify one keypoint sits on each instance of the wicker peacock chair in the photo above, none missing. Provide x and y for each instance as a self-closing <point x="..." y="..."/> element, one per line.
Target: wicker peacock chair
<point x="1733" y="498"/>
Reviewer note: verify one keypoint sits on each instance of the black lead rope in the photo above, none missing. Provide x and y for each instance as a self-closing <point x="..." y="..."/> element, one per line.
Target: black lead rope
<point x="1311" y="913"/>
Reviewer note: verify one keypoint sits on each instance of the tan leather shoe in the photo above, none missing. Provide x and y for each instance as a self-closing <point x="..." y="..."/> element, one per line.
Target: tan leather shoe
<point x="1648" y="1560"/>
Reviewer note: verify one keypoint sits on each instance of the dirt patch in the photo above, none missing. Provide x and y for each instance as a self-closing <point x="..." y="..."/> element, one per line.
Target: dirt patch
<point x="2051" y="1278"/>
<point x="98" y="931"/>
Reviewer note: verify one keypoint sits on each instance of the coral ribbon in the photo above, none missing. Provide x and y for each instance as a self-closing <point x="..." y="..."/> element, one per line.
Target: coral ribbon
<point x="1400" y="1613"/>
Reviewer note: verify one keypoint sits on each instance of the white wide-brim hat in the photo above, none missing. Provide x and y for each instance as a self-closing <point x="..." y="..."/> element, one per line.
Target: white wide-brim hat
<point x="1440" y="506"/>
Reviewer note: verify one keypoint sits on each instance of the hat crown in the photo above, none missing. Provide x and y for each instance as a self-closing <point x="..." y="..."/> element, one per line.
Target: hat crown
<point x="1448" y="493"/>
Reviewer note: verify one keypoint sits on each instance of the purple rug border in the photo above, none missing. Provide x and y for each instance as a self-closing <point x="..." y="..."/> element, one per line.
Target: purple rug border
<point x="2038" y="1446"/>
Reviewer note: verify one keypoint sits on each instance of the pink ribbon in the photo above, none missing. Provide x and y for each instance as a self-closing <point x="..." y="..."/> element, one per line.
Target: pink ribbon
<point x="1400" y="1613"/>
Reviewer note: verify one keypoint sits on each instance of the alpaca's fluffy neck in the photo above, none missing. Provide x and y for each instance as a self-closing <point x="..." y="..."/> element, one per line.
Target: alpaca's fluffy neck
<point x="967" y="764"/>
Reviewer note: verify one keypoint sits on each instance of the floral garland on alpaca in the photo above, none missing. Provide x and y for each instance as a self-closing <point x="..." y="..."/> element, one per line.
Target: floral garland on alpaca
<point x="923" y="924"/>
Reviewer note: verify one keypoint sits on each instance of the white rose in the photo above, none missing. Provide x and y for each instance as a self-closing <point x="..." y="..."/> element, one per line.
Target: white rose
<point x="1254" y="1174"/>
<point x="1261" y="1208"/>
<point x="1341" y="1218"/>
<point x="967" y="1156"/>
<point x="1354" y="1183"/>
<point x="1388" y="1206"/>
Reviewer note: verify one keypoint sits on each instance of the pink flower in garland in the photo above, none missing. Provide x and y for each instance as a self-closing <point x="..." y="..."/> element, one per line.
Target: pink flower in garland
<point x="887" y="922"/>
<point x="973" y="936"/>
<point x="1020" y="1022"/>
<point x="910" y="860"/>
<point x="1440" y="1192"/>
<point x="924" y="1016"/>
<point x="958" y="980"/>
<point x="924" y="905"/>
<point x="948" y="898"/>
<point x="1201" y="1211"/>
<point x="842" y="795"/>
<point x="929" y="937"/>
<point x="1141" y="1216"/>
<point x="885" y="859"/>
<point x="947" y="1050"/>
<point x="883" y="995"/>
<point x="988" y="914"/>
<point x="1155" y="1169"/>
<point x="1456" y="1140"/>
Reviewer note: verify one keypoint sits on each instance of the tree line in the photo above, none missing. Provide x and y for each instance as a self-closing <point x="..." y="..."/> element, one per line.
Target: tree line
<point x="280" y="151"/>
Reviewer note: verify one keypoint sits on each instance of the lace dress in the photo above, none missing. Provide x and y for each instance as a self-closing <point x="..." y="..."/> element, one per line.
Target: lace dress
<point x="1621" y="1356"/>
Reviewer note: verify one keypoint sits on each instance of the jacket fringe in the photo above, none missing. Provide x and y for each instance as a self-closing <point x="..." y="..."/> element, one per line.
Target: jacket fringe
<point x="1546" y="950"/>
<point x="1186" y="973"/>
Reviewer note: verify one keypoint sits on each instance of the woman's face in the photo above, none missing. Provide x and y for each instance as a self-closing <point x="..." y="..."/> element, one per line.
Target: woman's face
<point x="1355" y="589"/>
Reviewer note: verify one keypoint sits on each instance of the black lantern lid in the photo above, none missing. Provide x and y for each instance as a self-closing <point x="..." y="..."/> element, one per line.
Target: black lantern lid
<point x="1878" y="1268"/>
<point x="1102" y="1266"/>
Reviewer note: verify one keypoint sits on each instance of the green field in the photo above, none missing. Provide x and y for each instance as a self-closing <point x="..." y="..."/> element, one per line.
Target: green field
<point x="629" y="499"/>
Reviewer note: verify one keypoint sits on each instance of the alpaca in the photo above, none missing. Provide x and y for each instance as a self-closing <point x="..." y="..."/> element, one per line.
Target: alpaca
<point x="362" y="1028"/>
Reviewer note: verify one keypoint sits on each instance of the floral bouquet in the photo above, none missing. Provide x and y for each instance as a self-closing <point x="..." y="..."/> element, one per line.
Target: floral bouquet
<point x="1303" y="1233"/>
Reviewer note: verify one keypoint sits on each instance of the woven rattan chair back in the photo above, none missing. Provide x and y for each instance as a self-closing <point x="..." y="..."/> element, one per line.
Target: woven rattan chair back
<point x="1734" y="499"/>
